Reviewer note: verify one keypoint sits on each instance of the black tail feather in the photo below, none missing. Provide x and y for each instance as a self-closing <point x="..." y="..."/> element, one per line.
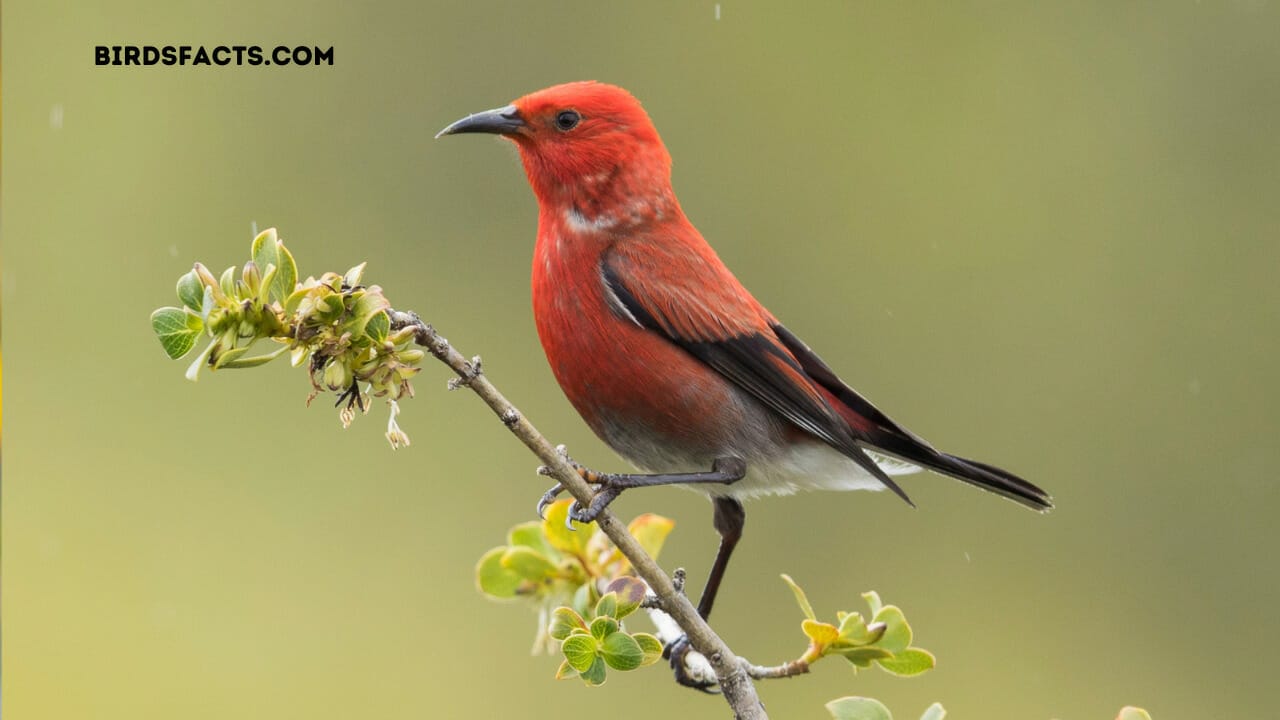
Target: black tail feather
<point x="979" y="474"/>
<point x="993" y="479"/>
<point x="890" y="438"/>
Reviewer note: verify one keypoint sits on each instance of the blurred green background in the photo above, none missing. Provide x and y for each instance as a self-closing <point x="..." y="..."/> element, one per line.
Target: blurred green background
<point x="1044" y="236"/>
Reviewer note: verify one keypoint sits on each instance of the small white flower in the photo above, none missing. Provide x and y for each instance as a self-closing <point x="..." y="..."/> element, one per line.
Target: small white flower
<point x="397" y="437"/>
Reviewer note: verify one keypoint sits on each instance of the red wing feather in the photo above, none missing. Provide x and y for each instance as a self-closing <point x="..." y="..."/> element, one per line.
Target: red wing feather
<point x="696" y="303"/>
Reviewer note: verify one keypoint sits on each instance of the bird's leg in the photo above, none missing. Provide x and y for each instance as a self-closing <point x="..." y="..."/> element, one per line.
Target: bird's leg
<point x="726" y="470"/>
<point x="729" y="519"/>
<point x="609" y="486"/>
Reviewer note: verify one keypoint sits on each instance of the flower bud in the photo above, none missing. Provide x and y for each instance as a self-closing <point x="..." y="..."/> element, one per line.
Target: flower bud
<point x="411" y="356"/>
<point x="208" y="280"/>
<point x="252" y="277"/>
<point x="337" y="376"/>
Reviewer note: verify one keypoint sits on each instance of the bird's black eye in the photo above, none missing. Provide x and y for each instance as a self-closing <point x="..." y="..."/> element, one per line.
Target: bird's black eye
<point x="567" y="120"/>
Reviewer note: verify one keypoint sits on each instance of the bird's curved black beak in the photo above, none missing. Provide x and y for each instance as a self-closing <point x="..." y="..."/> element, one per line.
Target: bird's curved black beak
<point x="499" y="121"/>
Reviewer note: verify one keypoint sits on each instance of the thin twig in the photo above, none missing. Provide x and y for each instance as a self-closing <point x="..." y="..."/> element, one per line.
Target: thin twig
<point x="731" y="672"/>
<point x="785" y="670"/>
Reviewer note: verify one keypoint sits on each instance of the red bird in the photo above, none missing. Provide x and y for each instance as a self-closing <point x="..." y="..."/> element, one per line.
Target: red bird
<point x="663" y="352"/>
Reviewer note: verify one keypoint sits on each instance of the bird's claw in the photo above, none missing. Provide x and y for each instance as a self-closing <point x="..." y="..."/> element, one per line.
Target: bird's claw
<point x="547" y="498"/>
<point x="675" y="652"/>
<point x="605" y="494"/>
<point x="545" y="470"/>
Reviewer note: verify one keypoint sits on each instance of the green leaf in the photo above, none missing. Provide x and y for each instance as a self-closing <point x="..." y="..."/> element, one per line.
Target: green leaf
<point x="801" y="599"/>
<point x="854" y="630"/>
<point x="630" y="592"/>
<point x="862" y="656"/>
<point x="858" y="708"/>
<point x="529" y="534"/>
<point x="254" y="361"/>
<point x="177" y="330"/>
<point x="581" y="604"/>
<point x="603" y="626"/>
<point x="564" y="621"/>
<point x="873" y="599"/>
<point x="584" y="598"/>
<point x="193" y="370"/>
<point x="264" y="288"/>
<point x="897" y="633"/>
<point x="379" y="327"/>
<point x="565" y="671"/>
<point x="268" y="249"/>
<point x="330" y="307"/>
<point x="191" y="290"/>
<point x="1132" y="713"/>
<point x="286" y="278"/>
<point x="207" y="304"/>
<point x="573" y="542"/>
<point x="227" y="283"/>
<point x="580" y="651"/>
<point x="263" y="248"/>
<point x="493" y="578"/>
<point x="363" y="310"/>
<point x="527" y="563"/>
<point x="228" y="355"/>
<point x="294" y="301"/>
<point x="353" y="276"/>
<point x="621" y="651"/>
<point x="936" y="712"/>
<point x="650" y="646"/>
<point x="608" y="605"/>
<point x="594" y="676"/>
<point x="911" y="661"/>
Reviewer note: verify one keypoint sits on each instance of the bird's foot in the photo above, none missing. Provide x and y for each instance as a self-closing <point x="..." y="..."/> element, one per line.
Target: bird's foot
<point x="604" y="495"/>
<point x="677" y="652"/>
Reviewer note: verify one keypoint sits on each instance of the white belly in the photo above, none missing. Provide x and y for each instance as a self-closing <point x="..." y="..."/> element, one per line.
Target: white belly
<point x="809" y="466"/>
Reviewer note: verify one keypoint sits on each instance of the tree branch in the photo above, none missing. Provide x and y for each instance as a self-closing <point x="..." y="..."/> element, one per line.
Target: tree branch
<point x="733" y="674"/>
<point x="785" y="670"/>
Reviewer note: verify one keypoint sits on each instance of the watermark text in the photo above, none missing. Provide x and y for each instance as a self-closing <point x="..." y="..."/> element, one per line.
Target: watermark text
<point x="220" y="56"/>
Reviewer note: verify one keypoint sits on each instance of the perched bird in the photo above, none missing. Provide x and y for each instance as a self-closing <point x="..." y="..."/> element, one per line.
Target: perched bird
<point x="661" y="349"/>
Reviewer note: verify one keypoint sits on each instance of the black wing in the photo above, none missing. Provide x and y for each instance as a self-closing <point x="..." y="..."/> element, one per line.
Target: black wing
<point x="884" y="435"/>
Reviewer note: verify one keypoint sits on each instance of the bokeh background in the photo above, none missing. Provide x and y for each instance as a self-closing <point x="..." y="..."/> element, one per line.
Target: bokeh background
<point x="1045" y="236"/>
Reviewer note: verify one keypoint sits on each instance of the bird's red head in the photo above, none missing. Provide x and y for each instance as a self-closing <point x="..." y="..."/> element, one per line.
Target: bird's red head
<point x="579" y="142"/>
